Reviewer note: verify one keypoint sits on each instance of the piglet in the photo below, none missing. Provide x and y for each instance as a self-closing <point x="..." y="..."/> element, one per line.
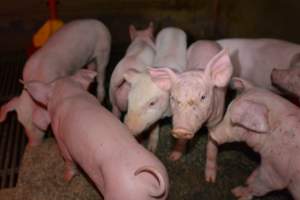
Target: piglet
<point x="92" y="137"/>
<point x="270" y="125"/>
<point x="148" y="100"/>
<point x="139" y="55"/>
<point x="254" y="59"/>
<point x="287" y="80"/>
<point x="76" y="44"/>
<point x="198" y="95"/>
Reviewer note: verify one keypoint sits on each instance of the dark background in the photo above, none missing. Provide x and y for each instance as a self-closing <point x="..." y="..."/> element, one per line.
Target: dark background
<point x="201" y="19"/>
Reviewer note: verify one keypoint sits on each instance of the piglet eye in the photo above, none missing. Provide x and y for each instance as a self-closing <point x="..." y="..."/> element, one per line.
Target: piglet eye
<point x="203" y="97"/>
<point x="152" y="103"/>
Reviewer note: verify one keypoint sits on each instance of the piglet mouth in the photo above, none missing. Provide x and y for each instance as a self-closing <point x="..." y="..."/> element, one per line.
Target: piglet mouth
<point x="181" y="133"/>
<point x="134" y="130"/>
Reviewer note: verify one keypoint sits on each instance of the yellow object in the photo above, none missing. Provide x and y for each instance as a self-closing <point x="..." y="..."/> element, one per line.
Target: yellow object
<point x="45" y="32"/>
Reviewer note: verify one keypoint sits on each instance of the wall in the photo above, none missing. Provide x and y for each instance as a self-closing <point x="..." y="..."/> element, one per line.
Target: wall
<point x="236" y="18"/>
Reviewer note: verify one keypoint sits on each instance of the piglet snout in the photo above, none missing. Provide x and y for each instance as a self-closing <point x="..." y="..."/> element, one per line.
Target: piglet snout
<point x="132" y="125"/>
<point x="181" y="133"/>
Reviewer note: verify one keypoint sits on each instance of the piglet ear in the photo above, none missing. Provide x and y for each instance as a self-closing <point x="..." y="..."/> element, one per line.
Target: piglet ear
<point x="132" y="31"/>
<point x="163" y="77"/>
<point x="240" y="84"/>
<point x="219" y="69"/>
<point x="131" y="75"/>
<point x="150" y="30"/>
<point x="84" y="77"/>
<point x="251" y="115"/>
<point x="39" y="91"/>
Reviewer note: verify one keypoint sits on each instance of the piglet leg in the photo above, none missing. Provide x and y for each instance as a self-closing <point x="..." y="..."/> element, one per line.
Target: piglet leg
<point x="116" y="111"/>
<point x="70" y="166"/>
<point x="101" y="62"/>
<point x="294" y="186"/>
<point x="211" y="161"/>
<point x="34" y="134"/>
<point x="25" y="111"/>
<point x="70" y="170"/>
<point x="178" y="149"/>
<point x="262" y="181"/>
<point x="242" y="193"/>
<point x="153" y="139"/>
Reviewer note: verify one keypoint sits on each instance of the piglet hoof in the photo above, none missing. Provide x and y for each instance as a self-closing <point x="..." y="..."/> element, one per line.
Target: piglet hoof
<point x="100" y="95"/>
<point x="210" y="175"/>
<point x="70" y="171"/>
<point x="175" y="155"/>
<point x="243" y="193"/>
<point x="34" y="143"/>
<point x="68" y="177"/>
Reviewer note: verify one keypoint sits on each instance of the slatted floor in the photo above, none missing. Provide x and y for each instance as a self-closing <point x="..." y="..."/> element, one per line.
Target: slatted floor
<point x="12" y="137"/>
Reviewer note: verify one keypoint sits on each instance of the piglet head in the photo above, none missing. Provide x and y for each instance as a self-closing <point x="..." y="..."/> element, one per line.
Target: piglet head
<point x="287" y="79"/>
<point x="148" y="99"/>
<point x="193" y="96"/>
<point x="243" y="117"/>
<point x="39" y="91"/>
<point x="146" y="33"/>
<point x="42" y="92"/>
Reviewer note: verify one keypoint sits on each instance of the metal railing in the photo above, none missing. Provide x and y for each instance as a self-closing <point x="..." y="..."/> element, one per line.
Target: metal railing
<point x="12" y="136"/>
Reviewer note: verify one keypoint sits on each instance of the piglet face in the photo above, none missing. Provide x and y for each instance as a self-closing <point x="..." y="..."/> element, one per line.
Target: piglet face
<point x="287" y="80"/>
<point x="191" y="103"/>
<point x="193" y="96"/>
<point x="244" y="117"/>
<point x="146" y="103"/>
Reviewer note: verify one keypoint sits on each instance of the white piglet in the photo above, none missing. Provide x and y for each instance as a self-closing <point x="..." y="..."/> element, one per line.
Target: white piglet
<point x="139" y="55"/>
<point x="254" y="59"/>
<point x="77" y="44"/>
<point x="148" y="101"/>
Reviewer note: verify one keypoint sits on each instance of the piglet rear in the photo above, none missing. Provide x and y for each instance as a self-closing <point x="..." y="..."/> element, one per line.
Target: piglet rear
<point x="96" y="140"/>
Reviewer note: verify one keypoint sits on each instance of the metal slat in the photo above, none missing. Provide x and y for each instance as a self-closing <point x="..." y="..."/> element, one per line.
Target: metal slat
<point x="2" y="151"/>
<point x="13" y="167"/>
<point x="12" y="136"/>
<point x="5" y="81"/>
<point x="8" y="153"/>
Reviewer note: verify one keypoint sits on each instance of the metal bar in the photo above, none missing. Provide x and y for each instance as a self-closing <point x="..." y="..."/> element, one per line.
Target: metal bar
<point x="14" y="79"/>
<point x="7" y="79"/>
<point x="2" y="151"/>
<point x="216" y="15"/>
<point x="12" y="137"/>
<point x="8" y="152"/>
<point x="4" y="172"/>
<point x="14" y="154"/>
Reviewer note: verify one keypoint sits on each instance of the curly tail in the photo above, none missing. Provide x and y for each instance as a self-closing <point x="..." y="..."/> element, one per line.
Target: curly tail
<point x="162" y="190"/>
